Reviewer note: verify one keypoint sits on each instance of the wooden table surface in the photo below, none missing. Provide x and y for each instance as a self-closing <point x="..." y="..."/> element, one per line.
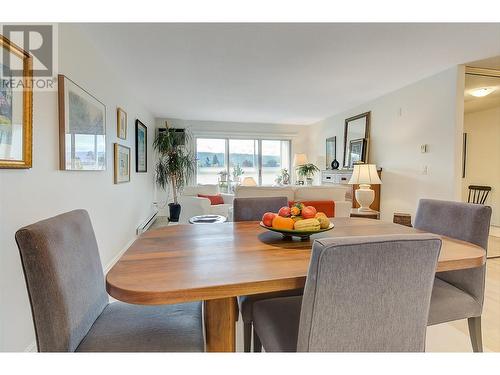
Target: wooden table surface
<point x="215" y="263"/>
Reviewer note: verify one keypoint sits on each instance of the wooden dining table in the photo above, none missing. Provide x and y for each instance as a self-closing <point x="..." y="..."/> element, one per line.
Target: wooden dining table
<point x="215" y="263"/>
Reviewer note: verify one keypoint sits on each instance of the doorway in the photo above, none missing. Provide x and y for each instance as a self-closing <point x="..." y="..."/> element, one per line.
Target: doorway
<point x="481" y="142"/>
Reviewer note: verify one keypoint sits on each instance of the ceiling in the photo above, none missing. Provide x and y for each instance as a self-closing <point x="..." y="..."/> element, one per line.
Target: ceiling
<point x="475" y="104"/>
<point x="280" y="73"/>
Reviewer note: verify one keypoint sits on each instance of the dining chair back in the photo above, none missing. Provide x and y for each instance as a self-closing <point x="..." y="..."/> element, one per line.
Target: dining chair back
<point x="478" y="194"/>
<point x="462" y="221"/>
<point x="69" y="302"/>
<point x="368" y="294"/>
<point x="457" y="294"/>
<point x="252" y="209"/>
<point x="64" y="278"/>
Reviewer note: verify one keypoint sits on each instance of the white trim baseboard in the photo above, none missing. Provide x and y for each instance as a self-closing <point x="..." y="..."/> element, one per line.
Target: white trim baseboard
<point x="31" y="348"/>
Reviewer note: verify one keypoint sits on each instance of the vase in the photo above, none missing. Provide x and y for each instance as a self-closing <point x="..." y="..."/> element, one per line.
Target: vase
<point x="335" y="164"/>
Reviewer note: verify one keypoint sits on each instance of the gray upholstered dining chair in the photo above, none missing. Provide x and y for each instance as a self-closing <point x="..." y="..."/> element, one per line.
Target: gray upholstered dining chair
<point x="457" y="294"/>
<point x="70" y="306"/>
<point x="362" y="294"/>
<point x="252" y="209"/>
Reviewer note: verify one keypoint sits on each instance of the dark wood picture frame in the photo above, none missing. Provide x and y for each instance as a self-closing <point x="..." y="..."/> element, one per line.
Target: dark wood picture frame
<point x="366" y="135"/>
<point x="27" y="107"/>
<point x="138" y="126"/>
<point x="61" y="87"/>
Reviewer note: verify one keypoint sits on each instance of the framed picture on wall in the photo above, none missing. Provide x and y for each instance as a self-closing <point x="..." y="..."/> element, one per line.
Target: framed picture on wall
<point x="82" y="128"/>
<point x="141" y="147"/>
<point x="121" y="124"/>
<point x="122" y="164"/>
<point x="355" y="155"/>
<point x="16" y="106"/>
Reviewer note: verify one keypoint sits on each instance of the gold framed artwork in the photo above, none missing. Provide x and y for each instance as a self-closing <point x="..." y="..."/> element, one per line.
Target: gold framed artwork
<point x="16" y="106"/>
<point x="121" y="124"/>
<point x="122" y="164"/>
<point x="82" y="128"/>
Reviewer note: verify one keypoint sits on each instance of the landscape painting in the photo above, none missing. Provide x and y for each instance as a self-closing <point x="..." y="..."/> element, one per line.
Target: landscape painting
<point x="82" y="128"/>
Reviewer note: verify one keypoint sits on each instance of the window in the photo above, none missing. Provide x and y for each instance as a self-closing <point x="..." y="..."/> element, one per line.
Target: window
<point x="239" y="158"/>
<point x="211" y="159"/>
<point x="243" y="158"/>
<point x="275" y="157"/>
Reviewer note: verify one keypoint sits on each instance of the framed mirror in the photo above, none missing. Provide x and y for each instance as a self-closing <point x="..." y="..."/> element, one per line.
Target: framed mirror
<point x="356" y="133"/>
<point x="331" y="151"/>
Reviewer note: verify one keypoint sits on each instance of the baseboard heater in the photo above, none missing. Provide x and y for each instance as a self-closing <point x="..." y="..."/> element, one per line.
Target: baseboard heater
<point x="147" y="223"/>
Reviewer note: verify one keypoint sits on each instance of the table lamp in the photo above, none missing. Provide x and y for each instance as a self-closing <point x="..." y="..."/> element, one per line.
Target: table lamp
<point x="298" y="160"/>
<point x="365" y="175"/>
<point x="249" y="181"/>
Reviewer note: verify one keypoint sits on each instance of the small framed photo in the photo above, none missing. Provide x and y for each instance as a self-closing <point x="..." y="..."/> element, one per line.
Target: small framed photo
<point x="122" y="164"/>
<point x="141" y="147"/>
<point x="121" y="124"/>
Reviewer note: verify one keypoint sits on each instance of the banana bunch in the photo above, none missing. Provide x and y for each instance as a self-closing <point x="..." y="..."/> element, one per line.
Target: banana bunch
<point x="307" y="225"/>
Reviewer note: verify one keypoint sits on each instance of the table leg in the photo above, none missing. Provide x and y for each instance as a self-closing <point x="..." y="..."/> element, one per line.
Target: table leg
<point x="220" y="324"/>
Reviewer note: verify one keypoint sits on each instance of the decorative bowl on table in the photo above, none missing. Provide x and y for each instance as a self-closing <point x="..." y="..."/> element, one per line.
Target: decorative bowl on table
<point x="296" y="221"/>
<point x="303" y="234"/>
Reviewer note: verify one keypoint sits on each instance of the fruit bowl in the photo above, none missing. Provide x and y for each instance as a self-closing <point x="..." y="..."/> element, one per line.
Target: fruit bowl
<point x="303" y="234"/>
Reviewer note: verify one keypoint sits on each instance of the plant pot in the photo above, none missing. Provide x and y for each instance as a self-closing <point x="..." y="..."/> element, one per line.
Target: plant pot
<point x="175" y="211"/>
<point x="309" y="181"/>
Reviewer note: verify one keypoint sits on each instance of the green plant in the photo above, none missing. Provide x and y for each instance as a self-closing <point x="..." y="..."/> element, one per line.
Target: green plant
<point x="237" y="171"/>
<point x="176" y="165"/>
<point x="307" y="170"/>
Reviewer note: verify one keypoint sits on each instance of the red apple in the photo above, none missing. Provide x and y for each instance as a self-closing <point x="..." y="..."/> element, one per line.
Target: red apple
<point x="284" y="212"/>
<point x="267" y="219"/>
<point x="308" y="212"/>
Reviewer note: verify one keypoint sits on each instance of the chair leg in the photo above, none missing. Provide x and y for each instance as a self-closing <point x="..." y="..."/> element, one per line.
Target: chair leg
<point x="257" y="346"/>
<point x="247" y="337"/>
<point x="475" y="333"/>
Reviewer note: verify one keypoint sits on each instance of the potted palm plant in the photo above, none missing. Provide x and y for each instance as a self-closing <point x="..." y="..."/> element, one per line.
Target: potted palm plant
<point x="307" y="171"/>
<point x="176" y="166"/>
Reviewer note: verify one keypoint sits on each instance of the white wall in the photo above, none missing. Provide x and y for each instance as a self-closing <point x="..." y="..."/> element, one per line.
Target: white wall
<point x="483" y="155"/>
<point x="27" y="196"/>
<point x="426" y="112"/>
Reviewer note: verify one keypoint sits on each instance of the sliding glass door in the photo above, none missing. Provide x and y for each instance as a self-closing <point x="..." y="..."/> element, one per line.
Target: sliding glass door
<point x="261" y="159"/>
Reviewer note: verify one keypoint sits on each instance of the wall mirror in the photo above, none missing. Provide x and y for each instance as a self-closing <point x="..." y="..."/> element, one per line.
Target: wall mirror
<point x="331" y="152"/>
<point x="356" y="134"/>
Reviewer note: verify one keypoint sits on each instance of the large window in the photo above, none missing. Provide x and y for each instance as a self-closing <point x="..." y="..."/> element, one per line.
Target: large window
<point x="275" y="157"/>
<point x="211" y="156"/>
<point x="261" y="159"/>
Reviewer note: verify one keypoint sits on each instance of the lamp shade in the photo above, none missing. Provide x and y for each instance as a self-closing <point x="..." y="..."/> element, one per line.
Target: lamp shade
<point x="299" y="159"/>
<point x="365" y="174"/>
<point x="249" y="181"/>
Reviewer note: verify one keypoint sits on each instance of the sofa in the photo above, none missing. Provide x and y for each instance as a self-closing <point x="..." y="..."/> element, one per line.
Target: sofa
<point x="192" y="205"/>
<point x="337" y="194"/>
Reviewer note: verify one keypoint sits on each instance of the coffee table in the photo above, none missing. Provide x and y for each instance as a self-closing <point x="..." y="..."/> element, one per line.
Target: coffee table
<point x="207" y="219"/>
